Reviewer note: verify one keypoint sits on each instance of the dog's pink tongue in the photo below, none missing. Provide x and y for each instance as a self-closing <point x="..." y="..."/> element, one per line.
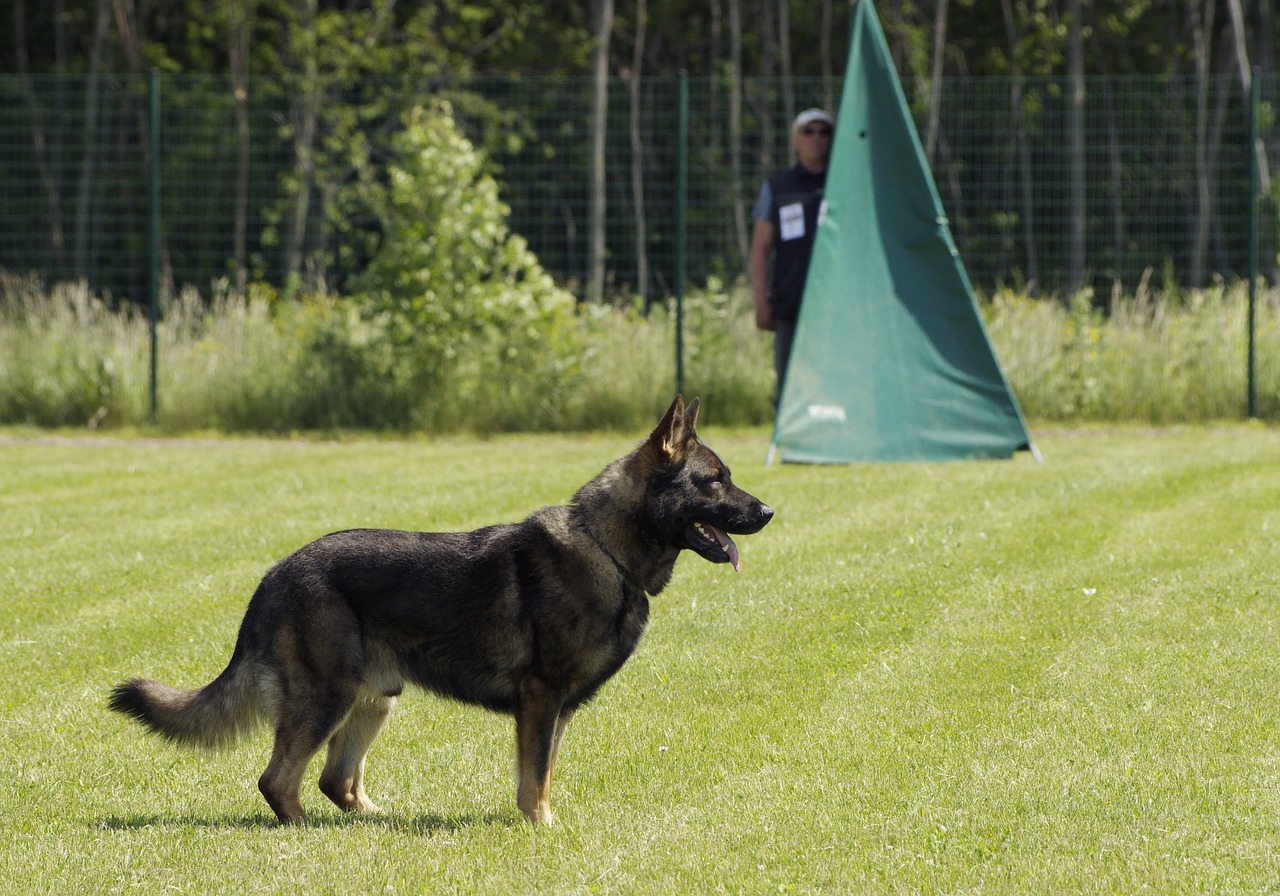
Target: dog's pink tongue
<point x="730" y="548"/>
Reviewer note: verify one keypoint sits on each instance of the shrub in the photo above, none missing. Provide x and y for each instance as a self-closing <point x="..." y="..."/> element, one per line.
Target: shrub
<point x="452" y="288"/>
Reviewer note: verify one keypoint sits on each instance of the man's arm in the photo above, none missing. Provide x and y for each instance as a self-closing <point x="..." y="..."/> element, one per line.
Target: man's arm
<point x="762" y="240"/>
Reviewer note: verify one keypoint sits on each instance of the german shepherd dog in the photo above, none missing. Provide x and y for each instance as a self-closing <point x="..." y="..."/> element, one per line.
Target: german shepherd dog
<point x="528" y="619"/>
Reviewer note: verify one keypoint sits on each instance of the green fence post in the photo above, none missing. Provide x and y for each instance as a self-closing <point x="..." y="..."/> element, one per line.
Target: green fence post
<point x="682" y="180"/>
<point x="153" y="178"/>
<point x="1254" y="103"/>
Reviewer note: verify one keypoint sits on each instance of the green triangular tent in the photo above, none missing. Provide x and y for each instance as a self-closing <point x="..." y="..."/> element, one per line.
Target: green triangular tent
<point x="891" y="360"/>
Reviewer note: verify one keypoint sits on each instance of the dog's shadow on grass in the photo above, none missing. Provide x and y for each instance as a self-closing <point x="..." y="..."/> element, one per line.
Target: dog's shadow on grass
<point x="426" y="825"/>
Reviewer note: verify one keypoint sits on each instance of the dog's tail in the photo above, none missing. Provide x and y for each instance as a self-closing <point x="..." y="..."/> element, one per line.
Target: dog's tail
<point x="212" y="716"/>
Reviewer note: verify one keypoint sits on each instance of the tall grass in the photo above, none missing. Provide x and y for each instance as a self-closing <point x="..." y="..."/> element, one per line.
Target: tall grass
<point x="1145" y="358"/>
<point x="67" y="358"/>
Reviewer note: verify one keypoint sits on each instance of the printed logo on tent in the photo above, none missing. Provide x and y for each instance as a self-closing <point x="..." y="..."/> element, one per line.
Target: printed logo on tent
<point x="828" y="413"/>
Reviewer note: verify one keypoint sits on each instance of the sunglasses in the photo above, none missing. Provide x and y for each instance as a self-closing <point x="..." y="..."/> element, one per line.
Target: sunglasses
<point x="821" y="132"/>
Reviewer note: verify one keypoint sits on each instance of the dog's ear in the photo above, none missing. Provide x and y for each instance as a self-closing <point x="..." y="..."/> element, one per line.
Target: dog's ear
<point x="672" y="434"/>
<point x="691" y="417"/>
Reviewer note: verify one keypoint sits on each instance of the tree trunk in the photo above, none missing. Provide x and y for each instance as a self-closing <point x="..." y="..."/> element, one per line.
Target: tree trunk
<point x="1264" y="51"/>
<point x="1246" y="84"/>
<point x="1116" y="169"/>
<point x="1202" y="31"/>
<point x="784" y="59"/>
<point x="828" y="71"/>
<point x="637" y="155"/>
<point x="740" y="222"/>
<point x="127" y="26"/>
<point x="126" y="13"/>
<point x="715" y="51"/>
<point x="935" y="79"/>
<point x="239" y="17"/>
<point x="61" y="34"/>
<point x="602" y="28"/>
<point x="767" y="103"/>
<point x="304" y="122"/>
<point x="1075" y="68"/>
<point x="1025" y="178"/>
<point x="39" y="143"/>
<point x="88" y="158"/>
<point x="1213" y="153"/>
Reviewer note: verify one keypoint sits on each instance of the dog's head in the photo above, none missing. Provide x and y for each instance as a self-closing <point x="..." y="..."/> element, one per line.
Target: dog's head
<point x="692" y="499"/>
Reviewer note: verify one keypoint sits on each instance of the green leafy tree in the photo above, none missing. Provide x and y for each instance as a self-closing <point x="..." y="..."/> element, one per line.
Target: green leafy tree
<point x="454" y="287"/>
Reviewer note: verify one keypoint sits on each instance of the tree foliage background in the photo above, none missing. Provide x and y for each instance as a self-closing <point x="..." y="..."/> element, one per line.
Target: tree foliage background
<point x="753" y="37"/>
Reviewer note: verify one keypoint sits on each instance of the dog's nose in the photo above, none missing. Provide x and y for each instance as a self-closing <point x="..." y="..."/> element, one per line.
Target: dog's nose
<point x="766" y="512"/>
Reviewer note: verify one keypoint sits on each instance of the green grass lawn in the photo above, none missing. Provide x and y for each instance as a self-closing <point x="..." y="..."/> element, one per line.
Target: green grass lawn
<point x="978" y="677"/>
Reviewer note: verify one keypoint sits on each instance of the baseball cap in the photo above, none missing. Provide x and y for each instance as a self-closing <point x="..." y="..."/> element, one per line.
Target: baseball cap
<point x="809" y="116"/>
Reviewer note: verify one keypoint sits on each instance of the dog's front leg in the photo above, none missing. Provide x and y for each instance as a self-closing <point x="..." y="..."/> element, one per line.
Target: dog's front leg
<point x="539" y="730"/>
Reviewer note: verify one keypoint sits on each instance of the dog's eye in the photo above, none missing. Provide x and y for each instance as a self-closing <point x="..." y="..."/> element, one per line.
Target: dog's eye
<point x="710" y="480"/>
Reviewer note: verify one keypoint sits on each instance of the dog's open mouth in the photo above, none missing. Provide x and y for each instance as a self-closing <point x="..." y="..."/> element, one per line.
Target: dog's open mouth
<point x="713" y="544"/>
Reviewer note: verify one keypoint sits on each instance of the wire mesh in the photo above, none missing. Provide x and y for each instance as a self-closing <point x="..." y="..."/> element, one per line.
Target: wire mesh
<point x="260" y="184"/>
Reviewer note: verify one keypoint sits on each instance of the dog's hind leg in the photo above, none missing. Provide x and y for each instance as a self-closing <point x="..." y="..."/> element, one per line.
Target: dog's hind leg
<point x="281" y="783"/>
<point x="539" y="731"/>
<point x="310" y="711"/>
<point x="343" y="777"/>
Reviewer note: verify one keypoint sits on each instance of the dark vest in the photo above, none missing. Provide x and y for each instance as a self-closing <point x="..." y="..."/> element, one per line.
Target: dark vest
<point x="797" y="196"/>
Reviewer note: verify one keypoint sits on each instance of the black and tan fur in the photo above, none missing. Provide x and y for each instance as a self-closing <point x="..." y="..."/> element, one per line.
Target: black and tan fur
<point x="528" y="619"/>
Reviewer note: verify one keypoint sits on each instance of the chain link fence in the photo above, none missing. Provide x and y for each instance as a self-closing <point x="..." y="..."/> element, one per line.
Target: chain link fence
<point x="260" y="181"/>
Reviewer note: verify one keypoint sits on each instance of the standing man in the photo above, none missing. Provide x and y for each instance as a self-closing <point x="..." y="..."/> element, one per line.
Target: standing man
<point x="787" y="214"/>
